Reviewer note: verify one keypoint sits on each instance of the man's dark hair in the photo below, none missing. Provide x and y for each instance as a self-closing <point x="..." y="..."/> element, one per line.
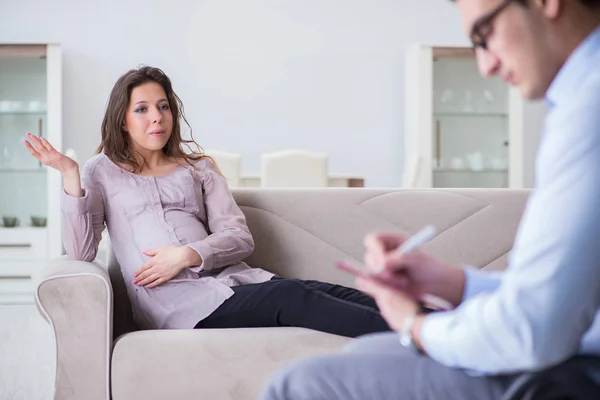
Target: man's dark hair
<point x="589" y="3"/>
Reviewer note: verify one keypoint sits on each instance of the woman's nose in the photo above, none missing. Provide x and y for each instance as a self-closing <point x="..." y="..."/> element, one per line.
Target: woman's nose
<point x="156" y="115"/>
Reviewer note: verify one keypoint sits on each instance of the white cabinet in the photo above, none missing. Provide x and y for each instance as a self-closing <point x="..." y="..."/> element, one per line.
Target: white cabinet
<point x="30" y="101"/>
<point x="461" y="130"/>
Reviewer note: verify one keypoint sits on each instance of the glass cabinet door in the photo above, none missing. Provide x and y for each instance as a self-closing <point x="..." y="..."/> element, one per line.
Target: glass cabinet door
<point x="460" y="130"/>
<point x="470" y="124"/>
<point x="23" y="180"/>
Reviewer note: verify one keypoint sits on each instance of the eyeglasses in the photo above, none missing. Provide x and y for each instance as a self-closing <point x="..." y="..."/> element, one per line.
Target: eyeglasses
<point x="482" y="29"/>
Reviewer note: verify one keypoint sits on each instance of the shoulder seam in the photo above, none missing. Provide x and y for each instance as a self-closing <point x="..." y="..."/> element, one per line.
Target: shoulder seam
<point x="94" y="163"/>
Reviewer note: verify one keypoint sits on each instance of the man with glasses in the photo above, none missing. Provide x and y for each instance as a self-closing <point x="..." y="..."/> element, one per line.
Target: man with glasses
<point x="544" y="308"/>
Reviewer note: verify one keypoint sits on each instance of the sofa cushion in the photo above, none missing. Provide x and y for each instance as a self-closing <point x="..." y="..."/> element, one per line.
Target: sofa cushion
<point x="209" y="364"/>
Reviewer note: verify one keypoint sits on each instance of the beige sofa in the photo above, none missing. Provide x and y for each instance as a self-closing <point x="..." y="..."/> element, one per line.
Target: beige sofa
<point x="298" y="233"/>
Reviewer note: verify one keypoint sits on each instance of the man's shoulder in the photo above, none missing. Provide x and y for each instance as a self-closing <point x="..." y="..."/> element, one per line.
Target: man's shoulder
<point x="591" y="88"/>
<point x="582" y="110"/>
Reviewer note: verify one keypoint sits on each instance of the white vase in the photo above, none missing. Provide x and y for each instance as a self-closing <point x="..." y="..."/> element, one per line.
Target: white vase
<point x="71" y="154"/>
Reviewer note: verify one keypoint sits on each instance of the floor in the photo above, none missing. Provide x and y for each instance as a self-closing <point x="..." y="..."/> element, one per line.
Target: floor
<point x="26" y="354"/>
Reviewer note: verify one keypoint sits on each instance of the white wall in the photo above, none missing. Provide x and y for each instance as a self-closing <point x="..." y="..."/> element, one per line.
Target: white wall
<point x="254" y="75"/>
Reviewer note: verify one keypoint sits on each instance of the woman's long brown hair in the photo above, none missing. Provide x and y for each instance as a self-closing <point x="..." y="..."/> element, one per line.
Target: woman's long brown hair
<point x="115" y="141"/>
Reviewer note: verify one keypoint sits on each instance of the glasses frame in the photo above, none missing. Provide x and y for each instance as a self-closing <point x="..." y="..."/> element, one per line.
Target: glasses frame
<point x="482" y="28"/>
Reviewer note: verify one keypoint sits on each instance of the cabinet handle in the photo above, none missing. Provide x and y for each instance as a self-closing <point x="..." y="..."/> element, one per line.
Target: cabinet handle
<point x="438" y="143"/>
<point x="41" y="132"/>
<point x="19" y="245"/>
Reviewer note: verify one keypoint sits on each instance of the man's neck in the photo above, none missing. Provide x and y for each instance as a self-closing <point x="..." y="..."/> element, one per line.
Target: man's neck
<point x="576" y="27"/>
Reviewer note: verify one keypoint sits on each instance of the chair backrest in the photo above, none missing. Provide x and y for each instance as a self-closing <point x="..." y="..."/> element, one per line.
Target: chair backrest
<point x="230" y="165"/>
<point x="294" y="168"/>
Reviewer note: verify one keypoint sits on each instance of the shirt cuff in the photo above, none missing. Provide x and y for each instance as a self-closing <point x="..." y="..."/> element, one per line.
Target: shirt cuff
<point x="433" y="337"/>
<point x="74" y="205"/>
<point x="207" y="254"/>
<point x="478" y="281"/>
<point x="442" y="338"/>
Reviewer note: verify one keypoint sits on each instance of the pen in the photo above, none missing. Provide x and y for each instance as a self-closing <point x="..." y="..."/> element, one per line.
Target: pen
<point x="412" y="244"/>
<point x="415" y="241"/>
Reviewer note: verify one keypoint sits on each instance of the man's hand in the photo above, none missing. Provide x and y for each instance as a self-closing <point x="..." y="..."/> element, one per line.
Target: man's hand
<point x="416" y="273"/>
<point x="394" y="305"/>
<point x="166" y="263"/>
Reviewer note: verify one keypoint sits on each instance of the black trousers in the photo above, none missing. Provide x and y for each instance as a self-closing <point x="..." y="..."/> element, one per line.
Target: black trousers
<point x="293" y="302"/>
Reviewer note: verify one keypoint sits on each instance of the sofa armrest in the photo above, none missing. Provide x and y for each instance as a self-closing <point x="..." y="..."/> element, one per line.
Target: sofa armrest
<point x="76" y="299"/>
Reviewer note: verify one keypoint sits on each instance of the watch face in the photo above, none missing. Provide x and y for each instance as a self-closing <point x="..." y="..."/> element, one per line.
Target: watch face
<point x="405" y="340"/>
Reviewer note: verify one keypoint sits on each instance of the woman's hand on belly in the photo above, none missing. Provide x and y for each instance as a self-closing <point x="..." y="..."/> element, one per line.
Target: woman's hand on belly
<point x="166" y="263"/>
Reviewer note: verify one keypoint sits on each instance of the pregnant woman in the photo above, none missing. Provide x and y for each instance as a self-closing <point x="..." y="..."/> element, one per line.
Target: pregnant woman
<point x="178" y="235"/>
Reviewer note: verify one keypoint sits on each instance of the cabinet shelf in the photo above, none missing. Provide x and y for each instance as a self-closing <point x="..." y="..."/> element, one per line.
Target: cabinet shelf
<point x="22" y="170"/>
<point x="41" y="113"/>
<point x="469" y="115"/>
<point x="470" y="171"/>
<point x="21" y="229"/>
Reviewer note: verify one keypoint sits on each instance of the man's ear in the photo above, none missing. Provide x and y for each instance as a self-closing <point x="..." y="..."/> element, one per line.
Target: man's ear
<point x="551" y="9"/>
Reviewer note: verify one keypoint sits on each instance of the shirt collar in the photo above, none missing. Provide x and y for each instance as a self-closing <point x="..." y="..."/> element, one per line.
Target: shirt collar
<point x="575" y="70"/>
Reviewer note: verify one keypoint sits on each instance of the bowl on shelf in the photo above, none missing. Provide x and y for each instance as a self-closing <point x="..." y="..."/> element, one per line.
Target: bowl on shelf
<point x="9" y="221"/>
<point x="38" y="221"/>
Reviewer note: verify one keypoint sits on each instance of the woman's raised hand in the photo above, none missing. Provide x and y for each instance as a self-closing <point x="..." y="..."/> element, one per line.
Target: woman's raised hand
<point x="41" y="149"/>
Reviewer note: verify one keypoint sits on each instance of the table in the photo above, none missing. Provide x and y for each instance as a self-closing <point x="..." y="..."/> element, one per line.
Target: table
<point x="333" y="181"/>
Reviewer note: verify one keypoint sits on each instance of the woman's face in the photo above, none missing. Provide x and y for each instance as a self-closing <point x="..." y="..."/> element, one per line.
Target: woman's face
<point x="148" y="119"/>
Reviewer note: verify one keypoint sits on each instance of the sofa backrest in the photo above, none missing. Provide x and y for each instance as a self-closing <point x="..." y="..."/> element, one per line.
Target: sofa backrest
<point x="301" y="232"/>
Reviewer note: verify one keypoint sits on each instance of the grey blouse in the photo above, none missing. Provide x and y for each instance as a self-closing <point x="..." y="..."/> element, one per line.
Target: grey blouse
<point x="192" y="206"/>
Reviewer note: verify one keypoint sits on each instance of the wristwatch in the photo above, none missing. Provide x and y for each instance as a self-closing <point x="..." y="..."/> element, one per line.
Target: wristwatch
<point x="406" y="337"/>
